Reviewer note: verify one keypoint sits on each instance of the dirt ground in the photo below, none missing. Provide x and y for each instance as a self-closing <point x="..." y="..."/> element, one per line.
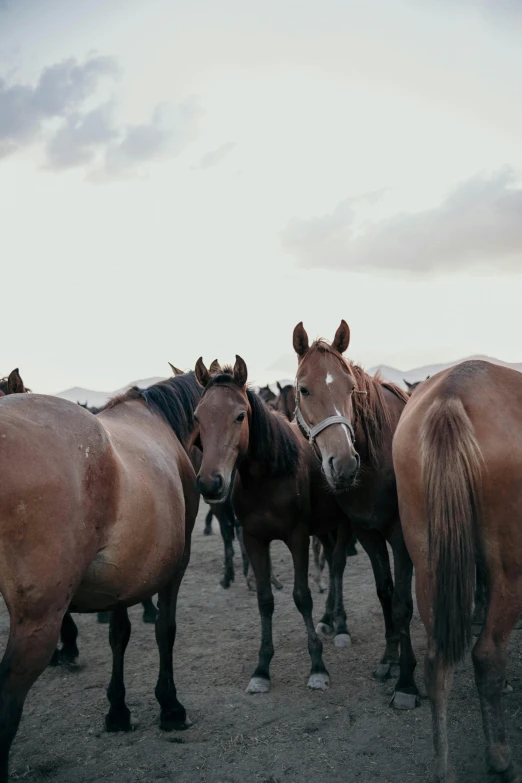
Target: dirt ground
<point x="290" y="735"/>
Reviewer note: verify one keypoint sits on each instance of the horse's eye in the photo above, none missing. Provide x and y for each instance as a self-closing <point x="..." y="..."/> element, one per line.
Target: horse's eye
<point x="240" y="418"/>
<point x="304" y="391"/>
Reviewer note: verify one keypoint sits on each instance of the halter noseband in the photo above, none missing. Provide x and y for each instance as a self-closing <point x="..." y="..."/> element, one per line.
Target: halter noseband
<point x="311" y="433"/>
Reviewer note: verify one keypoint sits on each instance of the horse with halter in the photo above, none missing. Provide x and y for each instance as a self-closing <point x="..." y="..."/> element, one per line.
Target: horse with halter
<point x="349" y="419"/>
<point x="458" y="463"/>
<point x="103" y="525"/>
<point x="277" y="491"/>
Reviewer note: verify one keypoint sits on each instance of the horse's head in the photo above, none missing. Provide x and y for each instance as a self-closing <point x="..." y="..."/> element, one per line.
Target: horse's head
<point x="286" y="400"/>
<point x="13" y="384"/>
<point x="324" y="406"/>
<point x="266" y="394"/>
<point x="410" y="387"/>
<point x="222" y="424"/>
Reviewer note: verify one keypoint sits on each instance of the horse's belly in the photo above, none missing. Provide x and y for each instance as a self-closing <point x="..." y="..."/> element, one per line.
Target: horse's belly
<point x="119" y="577"/>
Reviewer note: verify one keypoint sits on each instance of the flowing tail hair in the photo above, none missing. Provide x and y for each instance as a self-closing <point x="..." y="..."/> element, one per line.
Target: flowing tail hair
<point x="452" y="467"/>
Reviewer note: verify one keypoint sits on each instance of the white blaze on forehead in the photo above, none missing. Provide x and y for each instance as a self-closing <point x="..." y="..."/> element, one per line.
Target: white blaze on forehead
<point x="329" y="379"/>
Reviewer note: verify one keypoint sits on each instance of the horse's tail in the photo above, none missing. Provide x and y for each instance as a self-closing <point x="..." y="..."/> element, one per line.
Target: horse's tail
<point x="451" y="469"/>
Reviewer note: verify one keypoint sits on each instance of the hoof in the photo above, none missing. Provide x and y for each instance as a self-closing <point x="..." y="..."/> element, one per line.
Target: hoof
<point x="104" y="618"/>
<point x="324" y="630"/>
<point x="207" y="531"/>
<point x="277" y="584"/>
<point x="405" y="701"/>
<point x="119" y="722"/>
<point x="507" y="688"/>
<point x="149" y="618"/>
<point x="225" y="583"/>
<point x="55" y="660"/>
<point x="319" y="681"/>
<point x="343" y="640"/>
<point x="384" y="671"/>
<point x="175" y="721"/>
<point x="258" y="685"/>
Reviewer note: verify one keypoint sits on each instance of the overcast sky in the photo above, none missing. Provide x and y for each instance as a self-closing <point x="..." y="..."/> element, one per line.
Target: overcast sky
<point x="186" y="178"/>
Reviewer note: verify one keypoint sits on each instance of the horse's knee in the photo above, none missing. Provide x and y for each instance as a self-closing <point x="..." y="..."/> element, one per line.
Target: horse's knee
<point x="303" y="599"/>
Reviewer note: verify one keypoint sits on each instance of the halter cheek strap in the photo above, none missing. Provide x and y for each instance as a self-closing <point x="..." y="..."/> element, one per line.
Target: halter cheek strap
<point x="312" y="432"/>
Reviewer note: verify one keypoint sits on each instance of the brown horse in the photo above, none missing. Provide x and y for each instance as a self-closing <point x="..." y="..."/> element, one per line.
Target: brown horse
<point x="410" y="387"/>
<point x="102" y="525"/>
<point x="349" y="418"/>
<point x="277" y="492"/>
<point x="285" y="402"/>
<point x="458" y="461"/>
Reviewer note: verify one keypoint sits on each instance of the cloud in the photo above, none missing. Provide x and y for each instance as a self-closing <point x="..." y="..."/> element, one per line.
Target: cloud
<point x="170" y="130"/>
<point x="477" y="225"/>
<point x="55" y="112"/>
<point x="214" y="157"/>
<point x="24" y="110"/>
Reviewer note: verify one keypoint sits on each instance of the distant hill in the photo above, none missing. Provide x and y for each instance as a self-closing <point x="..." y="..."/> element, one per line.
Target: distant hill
<point x="98" y="399"/>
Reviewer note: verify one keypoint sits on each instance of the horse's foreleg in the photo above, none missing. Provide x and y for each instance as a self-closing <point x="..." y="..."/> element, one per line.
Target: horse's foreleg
<point x="406" y="695"/>
<point x="489" y="662"/>
<point x="118" y="717"/>
<point x="299" y="546"/>
<point x="258" y="554"/>
<point x="29" y="650"/>
<point x="173" y="714"/>
<point x="375" y="546"/>
<point x="318" y="566"/>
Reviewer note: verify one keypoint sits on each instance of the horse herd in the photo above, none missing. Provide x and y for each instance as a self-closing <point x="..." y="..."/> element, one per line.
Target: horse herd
<point x="97" y="512"/>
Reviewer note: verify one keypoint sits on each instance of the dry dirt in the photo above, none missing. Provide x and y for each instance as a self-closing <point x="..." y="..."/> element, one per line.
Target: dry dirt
<point x="290" y="735"/>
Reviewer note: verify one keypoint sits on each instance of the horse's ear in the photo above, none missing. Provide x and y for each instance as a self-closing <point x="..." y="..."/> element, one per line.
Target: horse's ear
<point x="175" y="370"/>
<point x="300" y="340"/>
<point x="202" y="374"/>
<point x="428" y="377"/>
<point x="15" y="384"/>
<point x="279" y="386"/>
<point x="341" y="340"/>
<point x="409" y="385"/>
<point x="240" y="372"/>
<point x="215" y="367"/>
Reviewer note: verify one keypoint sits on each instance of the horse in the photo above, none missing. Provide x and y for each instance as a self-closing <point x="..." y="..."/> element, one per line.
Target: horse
<point x="277" y="492"/>
<point x="410" y="387"/>
<point x="349" y="418"/>
<point x="458" y="462"/>
<point x="12" y="384"/>
<point x="102" y="525"/>
<point x="286" y="405"/>
<point x="267" y="395"/>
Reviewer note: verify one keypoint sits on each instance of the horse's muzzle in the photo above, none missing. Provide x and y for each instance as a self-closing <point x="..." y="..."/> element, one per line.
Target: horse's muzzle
<point x="212" y="487"/>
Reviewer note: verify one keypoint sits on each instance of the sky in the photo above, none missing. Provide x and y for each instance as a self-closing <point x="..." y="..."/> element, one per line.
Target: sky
<point x="191" y="178"/>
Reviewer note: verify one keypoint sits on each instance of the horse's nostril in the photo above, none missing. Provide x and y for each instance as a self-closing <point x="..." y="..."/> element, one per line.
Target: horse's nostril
<point x="218" y="482"/>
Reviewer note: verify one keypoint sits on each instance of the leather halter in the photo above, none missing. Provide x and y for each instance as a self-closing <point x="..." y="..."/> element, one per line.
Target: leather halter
<point x="310" y="433"/>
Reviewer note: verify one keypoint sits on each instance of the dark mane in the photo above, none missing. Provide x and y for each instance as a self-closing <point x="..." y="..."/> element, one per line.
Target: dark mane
<point x="175" y="399"/>
<point x="272" y="442"/>
<point x="370" y="407"/>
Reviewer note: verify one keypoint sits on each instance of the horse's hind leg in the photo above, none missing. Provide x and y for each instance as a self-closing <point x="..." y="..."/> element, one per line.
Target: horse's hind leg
<point x="273" y="578"/>
<point x="173" y="714"/>
<point x="244" y="556"/>
<point x="118" y="717"/>
<point x="28" y="652"/>
<point x="299" y="546"/>
<point x="149" y="611"/>
<point x="318" y="567"/>
<point x="489" y="661"/>
<point x="406" y="695"/>
<point x="375" y="546"/>
<point x="342" y="634"/>
<point x="226" y="527"/>
<point x="207" y="531"/>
